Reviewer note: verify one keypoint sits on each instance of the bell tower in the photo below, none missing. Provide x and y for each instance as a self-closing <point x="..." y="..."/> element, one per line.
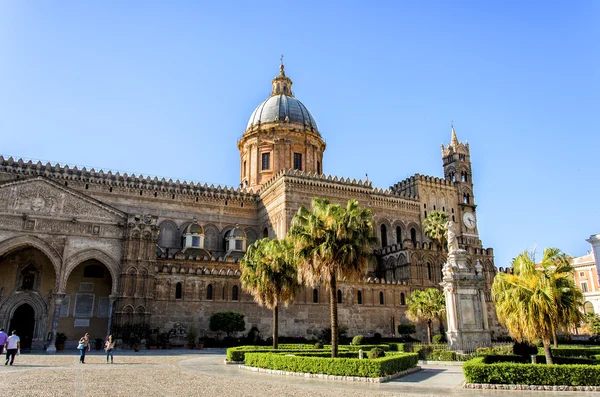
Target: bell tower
<point x="456" y="160"/>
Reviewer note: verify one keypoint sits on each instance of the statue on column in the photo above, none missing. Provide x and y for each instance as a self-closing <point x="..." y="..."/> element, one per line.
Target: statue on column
<point x="452" y="240"/>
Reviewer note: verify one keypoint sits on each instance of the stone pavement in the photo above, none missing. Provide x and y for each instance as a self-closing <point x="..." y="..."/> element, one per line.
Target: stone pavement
<point x="202" y="373"/>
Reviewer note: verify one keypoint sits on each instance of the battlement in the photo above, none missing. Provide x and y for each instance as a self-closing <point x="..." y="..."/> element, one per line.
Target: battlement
<point x="410" y="185"/>
<point x="340" y="182"/>
<point x="55" y="171"/>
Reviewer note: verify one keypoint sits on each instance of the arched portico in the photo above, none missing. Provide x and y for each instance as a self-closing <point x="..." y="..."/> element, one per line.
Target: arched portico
<point x="73" y="261"/>
<point x="26" y="241"/>
<point x="85" y="296"/>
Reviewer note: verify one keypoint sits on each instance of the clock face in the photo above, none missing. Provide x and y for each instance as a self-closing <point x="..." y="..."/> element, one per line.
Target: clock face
<point x="469" y="220"/>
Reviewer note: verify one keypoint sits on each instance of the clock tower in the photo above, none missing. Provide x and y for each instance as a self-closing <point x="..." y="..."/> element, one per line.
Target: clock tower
<point x="456" y="160"/>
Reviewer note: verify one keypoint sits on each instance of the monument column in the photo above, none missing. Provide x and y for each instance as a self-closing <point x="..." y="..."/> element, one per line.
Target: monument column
<point x="595" y="241"/>
<point x="58" y="298"/>
<point x="466" y="312"/>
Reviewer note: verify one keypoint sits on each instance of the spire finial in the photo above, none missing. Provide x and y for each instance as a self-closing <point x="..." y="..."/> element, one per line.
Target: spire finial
<point x="454" y="139"/>
<point x="281" y="67"/>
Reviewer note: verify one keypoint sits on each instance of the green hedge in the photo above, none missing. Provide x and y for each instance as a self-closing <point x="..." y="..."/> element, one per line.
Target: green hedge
<point x="238" y="353"/>
<point x="573" y="351"/>
<point x="376" y="368"/>
<point x="442" y="355"/>
<point x="539" y="359"/>
<point x="495" y="350"/>
<point x="477" y="371"/>
<point x="364" y="348"/>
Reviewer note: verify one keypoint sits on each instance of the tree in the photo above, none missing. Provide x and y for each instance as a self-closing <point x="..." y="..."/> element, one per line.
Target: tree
<point x="536" y="299"/>
<point x="332" y="242"/>
<point x="269" y="274"/>
<point x="427" y="305"/>
<point x="434" y="226"/>
<point x="227" y="322"/>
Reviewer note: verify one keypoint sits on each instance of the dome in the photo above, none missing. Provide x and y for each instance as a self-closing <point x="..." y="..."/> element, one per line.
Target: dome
<point x="194" y="228"/>
<point x="237" y="232"/>
<point x="281" y="108"/>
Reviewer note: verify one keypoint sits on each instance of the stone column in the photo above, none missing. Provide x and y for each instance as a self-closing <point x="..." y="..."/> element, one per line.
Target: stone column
<point x="110" y="312"/>
<point x="465" y="304"/>
<point x="58" y="298"/>
<point x="595" y="241"/>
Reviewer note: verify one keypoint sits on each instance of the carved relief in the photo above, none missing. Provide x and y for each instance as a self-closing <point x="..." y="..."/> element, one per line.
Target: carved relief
<point x="47" y="198"/>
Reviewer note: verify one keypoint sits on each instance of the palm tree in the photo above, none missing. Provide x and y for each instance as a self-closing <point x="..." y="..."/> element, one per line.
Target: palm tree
<point x="427" y="305"/>
<point x="332" y="243"/>
<point x="269" y="274"/>
<point x="434" y="226"/>
<point x="568" y="298"/>
<point x="535" y="300"/>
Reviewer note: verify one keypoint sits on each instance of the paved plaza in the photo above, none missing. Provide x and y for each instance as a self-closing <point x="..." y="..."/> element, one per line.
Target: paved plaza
<point x="203" y="373"/>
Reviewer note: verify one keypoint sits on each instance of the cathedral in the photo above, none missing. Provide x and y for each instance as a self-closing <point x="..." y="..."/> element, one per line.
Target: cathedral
<point x="83" y="250"/>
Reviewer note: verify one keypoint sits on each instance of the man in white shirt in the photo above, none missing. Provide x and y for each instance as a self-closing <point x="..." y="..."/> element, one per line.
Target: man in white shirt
<point x="13" y="347"/>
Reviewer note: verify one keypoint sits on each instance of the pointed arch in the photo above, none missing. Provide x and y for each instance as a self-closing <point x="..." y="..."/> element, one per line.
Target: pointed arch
<point x="24" y="241"/>
<point x="74" y="260"/>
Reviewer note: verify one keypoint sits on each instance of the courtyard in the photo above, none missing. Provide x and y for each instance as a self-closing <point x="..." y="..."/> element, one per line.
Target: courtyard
<point x="203" y="373"/>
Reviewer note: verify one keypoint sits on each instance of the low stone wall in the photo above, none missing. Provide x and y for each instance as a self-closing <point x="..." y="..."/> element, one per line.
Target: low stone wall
<point x="333" y="377"/>
<point x="529" y="387"/>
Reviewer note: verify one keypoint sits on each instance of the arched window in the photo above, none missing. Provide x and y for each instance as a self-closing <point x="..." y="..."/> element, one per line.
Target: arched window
<point x="234" y="293"/>
<point x="265" y="232"/>
<point x="383" y="236"/>
<point x="315" y="295"/>
<point x="339" y="296"/>
<point x="381" y="301"/>
<point x="209" y="292"/>
<point x="413" y="236"/>
<point x="178" y="291"/>
<point x="429" y="271"/>
<point x="588" y="308"/>
<point x="399" y="236"/>
<point x="402" y="299"/>
<point x="359" y="298"/>
<point x="28" y="277"/>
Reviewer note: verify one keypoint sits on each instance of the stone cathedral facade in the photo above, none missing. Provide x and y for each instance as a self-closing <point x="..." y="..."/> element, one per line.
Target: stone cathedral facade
<point x="83" y="250"/>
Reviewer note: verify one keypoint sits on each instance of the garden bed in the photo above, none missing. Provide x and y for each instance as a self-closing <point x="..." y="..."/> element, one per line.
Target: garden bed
<point x="489" y="370"/>
<point x="391" y="364"/>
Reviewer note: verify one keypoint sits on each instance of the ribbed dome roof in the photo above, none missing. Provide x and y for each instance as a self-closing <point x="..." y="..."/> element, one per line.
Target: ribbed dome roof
<point x="237" y="232"/>
<point x="194" y="228"/>
<point x="281" y="108"/>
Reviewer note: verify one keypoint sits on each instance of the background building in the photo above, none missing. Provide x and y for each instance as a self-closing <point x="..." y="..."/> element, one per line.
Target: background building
<point x="84" y="250"/>
<point x="586" y="279"/>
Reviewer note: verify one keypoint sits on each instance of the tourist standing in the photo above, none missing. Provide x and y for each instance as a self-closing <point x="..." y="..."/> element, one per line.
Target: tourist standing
<point x="3" y="338"/>
<point x="13" y="347"/>
<point x="109" y="345"/>
<point x="84" y="345"/>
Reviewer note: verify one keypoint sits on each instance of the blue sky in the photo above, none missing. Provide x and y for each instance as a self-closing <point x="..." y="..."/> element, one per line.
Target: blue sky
<point x="166" y="88"/>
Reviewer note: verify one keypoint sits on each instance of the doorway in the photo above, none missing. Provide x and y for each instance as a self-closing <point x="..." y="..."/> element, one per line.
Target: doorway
<point x="23" y="321"/>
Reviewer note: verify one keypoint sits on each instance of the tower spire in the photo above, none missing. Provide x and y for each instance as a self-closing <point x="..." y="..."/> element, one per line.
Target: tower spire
<point x="453" y="139"/>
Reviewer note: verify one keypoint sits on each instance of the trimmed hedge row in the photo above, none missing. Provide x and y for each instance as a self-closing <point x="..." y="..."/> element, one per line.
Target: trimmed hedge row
<point x="237" y="353"/>
<point x="375" y="368"/>
<point x="539" y="359"/>
<point x="573" y="351"/>
<point x="477" y="371"/>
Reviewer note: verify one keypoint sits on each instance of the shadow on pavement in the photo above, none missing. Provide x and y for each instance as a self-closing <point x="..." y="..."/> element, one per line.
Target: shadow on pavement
<point x="419" y="376"/>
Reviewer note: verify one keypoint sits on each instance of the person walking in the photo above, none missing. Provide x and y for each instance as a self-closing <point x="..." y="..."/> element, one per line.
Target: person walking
<point x="3" y="338"/>
<point x="13" y="347"/>
<point x="84" y="345"/>
<point x="109" y="345"/>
